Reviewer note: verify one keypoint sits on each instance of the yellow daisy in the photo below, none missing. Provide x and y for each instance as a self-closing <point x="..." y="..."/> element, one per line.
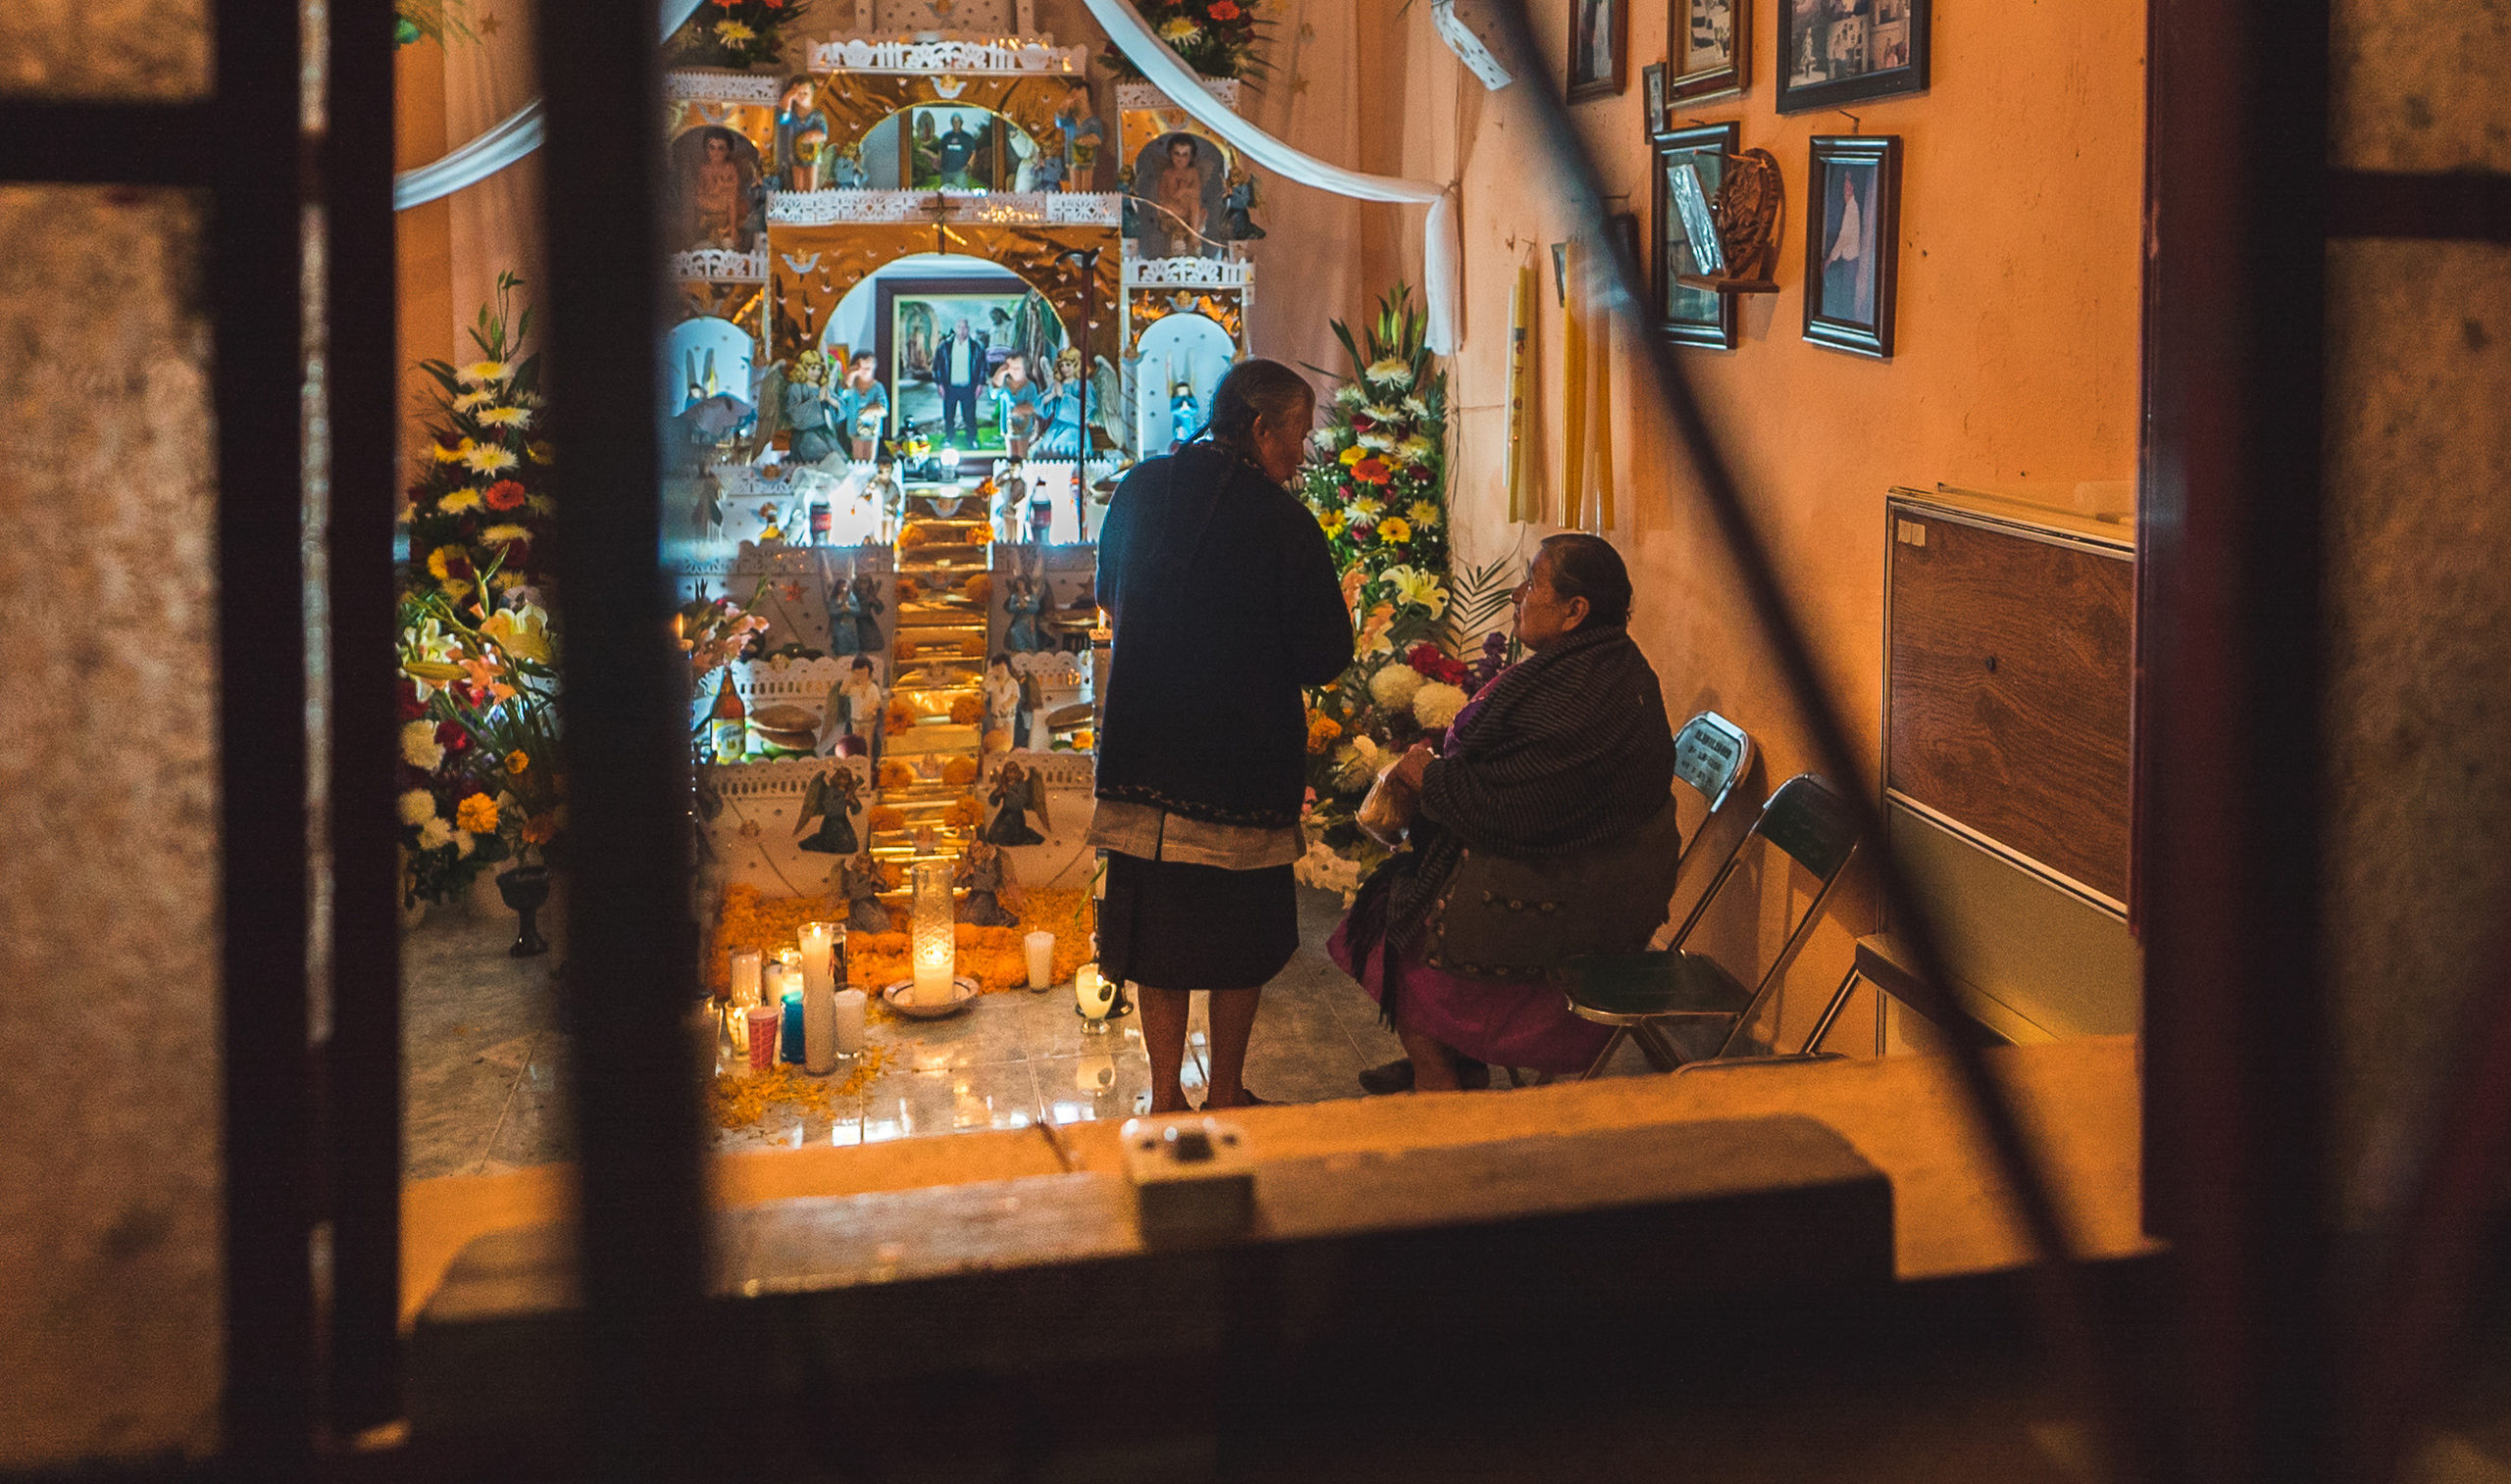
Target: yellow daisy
<point x="480" y="373"/>
<point x="1393" y="530"/>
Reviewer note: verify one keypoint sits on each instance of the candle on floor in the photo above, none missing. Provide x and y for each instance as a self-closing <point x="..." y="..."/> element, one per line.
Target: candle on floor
<point x="745" y="978"/>
<point x="819" y="1029"/>
<point x="761" y="1021"/>
<point x="784" y="986"/>
<point x="850" y="1022"/>
<point x="934" y="935"/>
<point x="1042" y="958"/>
<point x="819" y="956"/>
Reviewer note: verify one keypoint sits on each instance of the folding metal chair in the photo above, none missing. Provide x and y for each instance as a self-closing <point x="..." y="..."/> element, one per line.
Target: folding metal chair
<point x="1807" y="821"/>
<point x="1712" y="755"/>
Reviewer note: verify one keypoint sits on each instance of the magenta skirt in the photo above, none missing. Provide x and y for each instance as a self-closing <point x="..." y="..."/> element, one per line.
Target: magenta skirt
<point x="1520" y="1025"/>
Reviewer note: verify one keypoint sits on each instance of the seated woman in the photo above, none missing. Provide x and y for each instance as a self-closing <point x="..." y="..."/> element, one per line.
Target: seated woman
<point x="1541" y="828"/>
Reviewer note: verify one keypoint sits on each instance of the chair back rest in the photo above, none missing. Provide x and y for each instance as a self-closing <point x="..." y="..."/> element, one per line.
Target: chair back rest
<point x="1711" y="753"/>
<point x="1809" y="820"/>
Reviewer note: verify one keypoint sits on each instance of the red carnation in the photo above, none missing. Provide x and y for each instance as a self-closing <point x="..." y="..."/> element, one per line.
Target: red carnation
<point x="412" y="708"/>
<point x="1224" y="10"/>
<point x="505" y="495"/>
<point x="450" y="737"/>
<point x="1433" y="663"/>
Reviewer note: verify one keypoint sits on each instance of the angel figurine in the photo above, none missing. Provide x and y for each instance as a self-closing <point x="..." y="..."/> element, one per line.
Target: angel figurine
<point x="985" y="873"/>
<point x="1017" y="794"/>
<point x="1021" y="606"/>
<point x="850" y="721"/>
<point x="859" y="881"/>
<point x="833" y="799"/>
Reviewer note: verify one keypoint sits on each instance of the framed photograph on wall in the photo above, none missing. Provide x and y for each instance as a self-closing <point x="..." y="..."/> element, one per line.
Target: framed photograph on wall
<point x="1677" y="243"/>
<point x="1852" y="241"/>
<point x="1710" y="43"/>
<point x="1599" y="49"/>
<point x="1833" y="52"/>
<point x="941" y="342"/>
<point x="1651" y="87"/>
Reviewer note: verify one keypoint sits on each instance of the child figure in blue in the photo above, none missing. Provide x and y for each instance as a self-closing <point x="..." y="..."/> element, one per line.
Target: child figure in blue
<point x="862" y="405"/>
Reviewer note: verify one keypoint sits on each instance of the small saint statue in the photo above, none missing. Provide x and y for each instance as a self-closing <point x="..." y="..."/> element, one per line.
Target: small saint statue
<point x="985" y="873"/>
<point x="850" y="723"/>
<point x="859" y="881"/>
<point x="863" y="603"/>
<point x="1006" y="697"/>
<point x="1017" y="794"/>
<point x="833" y="799"/>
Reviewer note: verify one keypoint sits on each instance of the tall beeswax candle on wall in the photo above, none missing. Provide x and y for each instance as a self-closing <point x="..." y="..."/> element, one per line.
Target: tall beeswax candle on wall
<point x="1573" y="384"/>
<point x="931" y="934"/>
<point x="1522" y="501"/>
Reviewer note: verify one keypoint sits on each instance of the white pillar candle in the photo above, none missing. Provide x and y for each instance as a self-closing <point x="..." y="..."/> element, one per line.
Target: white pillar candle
<point x="934" y="935"/>
<point x="819" y="1028"/>
<point x="819" y="957"/>
<point x="850" y="1022"/>
<point x="1042" y="958"/>
<point x="745" y="978"/>
<point x="784" y="982"/>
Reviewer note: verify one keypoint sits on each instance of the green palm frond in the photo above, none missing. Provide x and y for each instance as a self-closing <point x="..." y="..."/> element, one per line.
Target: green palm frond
<point x="1477" y="597"/>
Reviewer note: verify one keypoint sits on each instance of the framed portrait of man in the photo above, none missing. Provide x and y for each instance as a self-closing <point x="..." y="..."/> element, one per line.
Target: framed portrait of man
<point x="1711" y="46"/>
<point x="945" y="147"/>
<point x="1599" y="49"/>
<point x="941" y="342"/>
<point x="1689" y="168"/>
<point x="1852" y="241"/>
<point x="1833" y="52"/>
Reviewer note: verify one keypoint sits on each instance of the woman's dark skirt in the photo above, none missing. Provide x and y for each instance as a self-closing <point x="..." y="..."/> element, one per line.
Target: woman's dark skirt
<point x="1172" y="926"/>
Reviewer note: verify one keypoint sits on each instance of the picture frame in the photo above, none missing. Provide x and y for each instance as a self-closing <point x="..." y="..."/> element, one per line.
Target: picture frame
<point x="937" y="161"/>
<point x="1599" y="49"/>
<point x="1652" y="88"/>
<point x="913" y="317"/>
<point x="1696" y="317"/>
<point x="1710" y="46"/>
<point x="1853" y="241"/>
<point x="1833" y="52"/>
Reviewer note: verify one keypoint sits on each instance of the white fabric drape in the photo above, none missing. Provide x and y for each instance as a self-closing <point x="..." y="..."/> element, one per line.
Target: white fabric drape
<point x="1439" y="243"/>
<point x="510" y="139"/>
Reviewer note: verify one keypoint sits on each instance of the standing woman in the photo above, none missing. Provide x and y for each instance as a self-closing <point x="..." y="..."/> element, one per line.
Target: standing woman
<point x="1225" y="607"/>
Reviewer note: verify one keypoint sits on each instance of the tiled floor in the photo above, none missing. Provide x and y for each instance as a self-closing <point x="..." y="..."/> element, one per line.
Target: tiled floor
<point x="486" y="1061"/>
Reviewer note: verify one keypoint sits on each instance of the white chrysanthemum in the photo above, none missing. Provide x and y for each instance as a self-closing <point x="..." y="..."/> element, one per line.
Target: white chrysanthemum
<point x="420" y="751"/>
<point x="1357" y="761"/>
<point x="1364" y="511"/>
<point x="1381" y="413"/>
<point x="1179" y="32"/>
<point x="434" y="835"/>
<point x="472" y="400"/>
<point x="418" y="806"/>
<point x="1416" y="407"/>
<point x="1393" y="370"/>
<point x="1323" y="440"/>
<point x="488" y="458"/>
<point x="464" y="843"/>
<point x="1436" y="704"/>
<point x="481" y="372"/>
<point x="506" y="417"/>
<point x="1416" y="448"/>
<point x="1376" y="441"/>
<point x="1395" y="686"/>
<point x="1350" y="394"/>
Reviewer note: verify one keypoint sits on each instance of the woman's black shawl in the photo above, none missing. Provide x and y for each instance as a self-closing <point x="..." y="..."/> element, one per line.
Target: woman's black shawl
<point x="1223" y="596"/>
<point x="1569" y="750"/>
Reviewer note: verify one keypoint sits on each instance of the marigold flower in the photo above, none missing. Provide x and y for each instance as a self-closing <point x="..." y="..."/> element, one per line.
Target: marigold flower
<point x="477" y="813"/>
<point x="517" y="760"/>
<point x="1321" y="731"/>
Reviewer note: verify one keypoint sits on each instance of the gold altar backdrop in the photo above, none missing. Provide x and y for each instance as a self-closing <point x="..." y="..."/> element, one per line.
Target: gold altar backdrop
<point x="812" y="268"/>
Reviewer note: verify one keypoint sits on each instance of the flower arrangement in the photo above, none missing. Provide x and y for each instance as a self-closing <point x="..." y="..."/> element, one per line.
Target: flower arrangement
<point x="1376" y="479"/>
<point x="1217" y="39"/>
<point x="478" y="511"/>
<point x="479" y="758"/>
<point x="738" y="34"/>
